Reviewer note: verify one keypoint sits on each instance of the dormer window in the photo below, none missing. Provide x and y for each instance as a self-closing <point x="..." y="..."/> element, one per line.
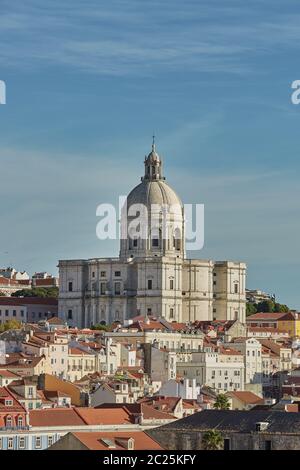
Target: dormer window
<point x="9" y="421"/>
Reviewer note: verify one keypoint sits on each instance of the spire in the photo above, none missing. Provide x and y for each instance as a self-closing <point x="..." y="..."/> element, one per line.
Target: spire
<point x="153" y="142"/>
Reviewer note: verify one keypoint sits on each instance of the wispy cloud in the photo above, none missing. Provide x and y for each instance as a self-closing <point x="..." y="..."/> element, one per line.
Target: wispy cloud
<point x="126" y="38"/>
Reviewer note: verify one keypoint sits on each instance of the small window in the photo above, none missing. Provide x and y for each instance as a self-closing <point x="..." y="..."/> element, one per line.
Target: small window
<point x="93" y="274"/>
<point x="22" y="443"/>
<point x="102" y="288"/>
<point x="70" y="314"/>
<point x="103" y="273"/>
<point x="70" y="286"/>
<point x="155" y="242"/>
<point x="171" y="313"/>
<point x="22" y="313"/>
<point x="149" y="284"/>
<point x="117" y="288"/>
<point x="268" y="445"/>
<point x="226" y="444"/>
<point x="6" y="313"/>
<point x="50" y="441"/>
<point x="20" y="421"/>
<point x="37" y="442"/>
<point x="135" y="242"/>
<point x="117" y="273"/>
<point x="10" y="443"/>
<point x="9" y="422"/>
<point x="149" y="311"/>
<point x="14" y="313"/>
<point x="236" y="288"/>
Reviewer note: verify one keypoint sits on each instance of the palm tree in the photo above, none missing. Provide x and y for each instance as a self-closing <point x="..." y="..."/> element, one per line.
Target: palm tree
<point x="212" y="440"/>
<point x="222" y="402"/>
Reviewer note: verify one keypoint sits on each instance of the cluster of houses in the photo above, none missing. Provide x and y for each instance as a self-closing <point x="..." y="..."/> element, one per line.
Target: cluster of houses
<point x="125" y="386"/>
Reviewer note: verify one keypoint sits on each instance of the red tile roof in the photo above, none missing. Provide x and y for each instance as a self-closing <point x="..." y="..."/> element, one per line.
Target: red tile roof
<point x="55" y="417"/>
<point x="246" y="397"/>
<point x="100" y="440"/>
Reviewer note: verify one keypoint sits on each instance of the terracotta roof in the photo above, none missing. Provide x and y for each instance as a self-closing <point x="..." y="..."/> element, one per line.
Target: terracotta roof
<point x="246" y="397"/>
<point x="104" y="416"/>
<point x="79" y="352"/>
<point x="55" y="320"/>
<point x="148" y="411"/>
<point x="8" y="374"/>
<point x="55" y="417"/>
<point x="100" y="440"/>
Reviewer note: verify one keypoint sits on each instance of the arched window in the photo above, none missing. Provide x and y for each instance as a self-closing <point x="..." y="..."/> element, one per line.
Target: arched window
<point x="177" y="239"/>
<point x="155" y="238"/>
<point x="9" y="421"/>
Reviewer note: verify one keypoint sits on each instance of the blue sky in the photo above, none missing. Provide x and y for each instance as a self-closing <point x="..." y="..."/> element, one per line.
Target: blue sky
<point x="88" y="82"/>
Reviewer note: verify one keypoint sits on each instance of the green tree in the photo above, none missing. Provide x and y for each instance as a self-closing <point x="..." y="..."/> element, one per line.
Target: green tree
<point x="212" y="440"/>
<point x="50" y="292"/>
<point x="250" y="309"/>
<point x="281" y="308"/>
<point x="98" y="326"/>
<point x="222" y="402"/>
<point x="10" y="325"/>
<point x="266" y="306"/>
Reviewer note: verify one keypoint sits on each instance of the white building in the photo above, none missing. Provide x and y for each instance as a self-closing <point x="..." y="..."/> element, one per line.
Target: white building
<point x="252" y="352"/>
<point x="151" y="274"/>
<point x="221" y="370"/>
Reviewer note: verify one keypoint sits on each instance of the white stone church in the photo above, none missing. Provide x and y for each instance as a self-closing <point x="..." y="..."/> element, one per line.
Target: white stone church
<point x="152" y="275"/>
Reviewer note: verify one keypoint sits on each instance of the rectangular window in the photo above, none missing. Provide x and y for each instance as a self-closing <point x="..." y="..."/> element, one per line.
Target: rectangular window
<point x="102" y="288"/>
<point x="22" y="443"/>
<point x="149" y="284"/>
<point x="10" y="443"/>
<point x="117" y="273"/>
<point x="6" y="313"/>
<point x="50" y="441"/>
<point x="22" y="313"/>
<point x="236" y="288"/>
<point x="171" y="284"/>
<point x="103" y="273"/>
<point x="70" y="314"/>
<point x="117" y="288"/>
<point x="268" y="445"/>
<point x="37" y="442"/>
<point x="135" y="242"/>
<point x="155" y="242"/>
<point x="226" y="444"/>
<point x="70" y="286"/>
<point x="14" y="313"/>
<point x="171" y="313"/>
<point x="149" y="311"/>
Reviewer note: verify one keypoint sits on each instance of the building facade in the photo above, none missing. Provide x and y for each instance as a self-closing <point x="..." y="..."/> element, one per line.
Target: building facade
<point x="151" y="274"/>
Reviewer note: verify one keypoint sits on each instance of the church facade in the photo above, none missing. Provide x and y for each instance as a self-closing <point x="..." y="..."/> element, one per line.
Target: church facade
<point x="152" y="275"/>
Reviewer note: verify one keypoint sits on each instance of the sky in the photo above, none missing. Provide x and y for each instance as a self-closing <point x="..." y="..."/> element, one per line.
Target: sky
<point x="89" y="82"/>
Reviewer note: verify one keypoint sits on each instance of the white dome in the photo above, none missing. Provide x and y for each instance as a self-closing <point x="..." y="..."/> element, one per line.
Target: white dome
<point x="153" y="192"/>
